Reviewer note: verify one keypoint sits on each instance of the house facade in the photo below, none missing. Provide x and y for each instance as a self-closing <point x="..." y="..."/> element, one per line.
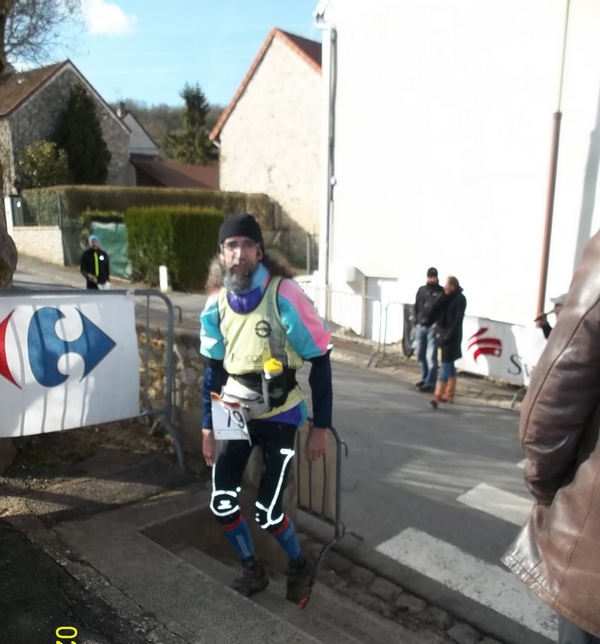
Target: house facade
<point x="30" y="104"/>
<point x="453" y="102"/>
<point x="269" y="137"/>
<point x="141" y="144"/>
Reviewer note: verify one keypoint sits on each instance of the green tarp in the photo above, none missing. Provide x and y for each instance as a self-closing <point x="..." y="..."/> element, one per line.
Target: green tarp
<point x="114" y="241"/>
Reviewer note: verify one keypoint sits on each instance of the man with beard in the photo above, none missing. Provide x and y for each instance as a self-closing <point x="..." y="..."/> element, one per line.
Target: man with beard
<point x="257" y="329"/>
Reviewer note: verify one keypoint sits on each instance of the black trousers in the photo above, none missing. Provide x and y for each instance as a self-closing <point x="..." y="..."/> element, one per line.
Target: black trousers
<point x="276" y="441"/>
<point x="568" y="633"/>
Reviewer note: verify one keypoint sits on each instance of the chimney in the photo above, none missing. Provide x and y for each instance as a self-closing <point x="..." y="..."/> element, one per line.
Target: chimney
<point x="121" y="111"/>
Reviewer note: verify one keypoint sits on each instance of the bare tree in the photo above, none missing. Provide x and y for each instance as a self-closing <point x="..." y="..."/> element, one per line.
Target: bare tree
<point x="30" y="29"/>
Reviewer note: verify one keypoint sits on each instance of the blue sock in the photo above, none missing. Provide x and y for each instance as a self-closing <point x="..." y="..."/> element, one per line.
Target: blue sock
<point x="239" y="537"/>
<point x="287" y="539"/>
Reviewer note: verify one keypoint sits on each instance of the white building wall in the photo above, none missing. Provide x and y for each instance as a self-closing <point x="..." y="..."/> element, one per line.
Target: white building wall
<point x="139" y="141"/>
<point x="443" y="139"/>
<point x="270" y="142"/>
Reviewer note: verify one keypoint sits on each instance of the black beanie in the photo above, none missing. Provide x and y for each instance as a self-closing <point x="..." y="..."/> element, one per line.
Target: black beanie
<point x="240" y="225"/>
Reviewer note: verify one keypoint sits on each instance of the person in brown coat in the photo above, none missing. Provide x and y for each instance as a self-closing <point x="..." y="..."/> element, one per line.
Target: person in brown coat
<point x="450" y="333"/>
<point x="557" y="553"/>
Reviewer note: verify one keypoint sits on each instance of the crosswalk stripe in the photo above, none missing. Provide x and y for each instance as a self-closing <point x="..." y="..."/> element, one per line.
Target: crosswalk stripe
<point x="486" y="584"/>
<point x="503" y="505"/>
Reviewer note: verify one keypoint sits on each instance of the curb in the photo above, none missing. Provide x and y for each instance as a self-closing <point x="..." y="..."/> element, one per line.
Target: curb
<point x="426" y="601"/>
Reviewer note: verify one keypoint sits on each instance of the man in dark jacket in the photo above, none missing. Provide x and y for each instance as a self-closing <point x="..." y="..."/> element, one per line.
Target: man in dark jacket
<point x="450" y="335"/>
<point x="426" y="313"/>
<point x="557" y="553"/>
<point x="95" y="265"/>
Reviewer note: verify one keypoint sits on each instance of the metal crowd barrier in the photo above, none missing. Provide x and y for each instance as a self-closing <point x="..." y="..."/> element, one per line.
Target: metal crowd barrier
<point x="318" y="501"/>
<point x="356" y="313"/>
<point x="166" y="413"/>
<point x="383" y="333"/>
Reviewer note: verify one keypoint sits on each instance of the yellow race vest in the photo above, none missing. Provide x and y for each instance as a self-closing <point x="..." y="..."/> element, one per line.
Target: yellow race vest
<point x="257" y="336"/>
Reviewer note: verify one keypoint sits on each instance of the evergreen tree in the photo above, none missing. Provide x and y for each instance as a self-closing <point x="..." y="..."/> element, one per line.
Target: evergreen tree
<point x="191" y="144"/>
<point x="79" y="133"/>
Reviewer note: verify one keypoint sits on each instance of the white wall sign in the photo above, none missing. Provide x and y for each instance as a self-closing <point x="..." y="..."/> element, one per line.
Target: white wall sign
<point x="67" y="361"/>
<point x="500" y="350"/>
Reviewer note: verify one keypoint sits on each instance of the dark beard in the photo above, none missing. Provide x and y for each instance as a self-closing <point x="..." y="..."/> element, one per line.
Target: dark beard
<point x="238" y="282"/>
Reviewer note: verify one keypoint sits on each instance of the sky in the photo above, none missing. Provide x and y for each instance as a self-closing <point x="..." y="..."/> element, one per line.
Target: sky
<point x="148" y="49"/>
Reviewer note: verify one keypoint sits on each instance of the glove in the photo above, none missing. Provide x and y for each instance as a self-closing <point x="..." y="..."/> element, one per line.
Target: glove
<point x="92" y="278"/>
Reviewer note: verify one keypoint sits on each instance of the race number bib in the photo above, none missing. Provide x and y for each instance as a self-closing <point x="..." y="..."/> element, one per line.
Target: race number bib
<point x="229" y="420"/>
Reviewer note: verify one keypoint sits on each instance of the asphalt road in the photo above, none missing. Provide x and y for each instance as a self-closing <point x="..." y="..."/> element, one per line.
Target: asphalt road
<point x="441" y="492"/>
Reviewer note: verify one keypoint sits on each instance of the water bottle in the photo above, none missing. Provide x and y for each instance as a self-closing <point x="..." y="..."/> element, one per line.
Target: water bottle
<point x="274" y="389"/>
<point x="272" y="368"/>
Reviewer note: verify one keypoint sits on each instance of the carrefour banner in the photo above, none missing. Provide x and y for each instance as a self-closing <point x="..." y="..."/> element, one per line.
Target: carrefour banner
<point x="67" y="361"/>
<point x="500" y="350"/>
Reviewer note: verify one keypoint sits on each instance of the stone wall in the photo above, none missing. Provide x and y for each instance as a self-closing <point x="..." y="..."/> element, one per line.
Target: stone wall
<point x="43" y="242"/>
<point x="36" y="120"/>
<point x="271" y="142"/>
<point x="189" y="371"/>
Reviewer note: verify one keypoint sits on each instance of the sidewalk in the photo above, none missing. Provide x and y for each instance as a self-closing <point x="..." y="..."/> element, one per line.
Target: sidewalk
<point x="38" y="596"/>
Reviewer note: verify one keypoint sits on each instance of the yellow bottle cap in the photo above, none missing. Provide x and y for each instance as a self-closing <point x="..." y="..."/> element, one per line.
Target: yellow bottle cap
<point x="273" y="366"/>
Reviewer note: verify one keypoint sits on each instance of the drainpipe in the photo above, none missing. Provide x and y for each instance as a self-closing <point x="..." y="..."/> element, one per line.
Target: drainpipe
<point x="329" y="55"/>
<point x="552" y="178"/>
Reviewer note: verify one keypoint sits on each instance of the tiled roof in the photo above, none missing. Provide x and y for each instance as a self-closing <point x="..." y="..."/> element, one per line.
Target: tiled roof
<point x="16" y="88"/>
<point x="310" y="50"/>
<point x="172" y="174"/>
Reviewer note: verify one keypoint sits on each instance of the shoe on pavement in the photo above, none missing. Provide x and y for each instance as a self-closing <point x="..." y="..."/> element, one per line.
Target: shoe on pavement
<point x="252" y="578"/>
<point x="299" y="581"/>
<point x="419" y="384"/>
<point x="426" y="389"/>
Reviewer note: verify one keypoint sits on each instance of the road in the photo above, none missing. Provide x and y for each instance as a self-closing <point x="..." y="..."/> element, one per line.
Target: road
<point x="441" y="492"/>
<point x="35" y="276"/>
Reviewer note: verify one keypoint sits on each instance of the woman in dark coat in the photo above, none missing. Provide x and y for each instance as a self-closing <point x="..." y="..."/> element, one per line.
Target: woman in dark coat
<point x="450" y="335"/>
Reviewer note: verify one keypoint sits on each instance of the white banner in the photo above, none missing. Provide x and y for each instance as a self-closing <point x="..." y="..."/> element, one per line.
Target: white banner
<point x="500" y="350"/>
<point x="67" y="361"/>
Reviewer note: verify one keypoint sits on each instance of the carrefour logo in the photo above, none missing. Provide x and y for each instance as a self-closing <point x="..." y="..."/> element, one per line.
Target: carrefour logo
<point x="45" y="348"/>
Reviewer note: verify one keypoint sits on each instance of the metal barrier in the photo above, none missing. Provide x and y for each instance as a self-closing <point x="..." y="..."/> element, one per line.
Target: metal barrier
<point x="356" y="313"/>
<point x="383" y="336"/>
<point x="317" y="502"/>
<point x="164" y="414"/>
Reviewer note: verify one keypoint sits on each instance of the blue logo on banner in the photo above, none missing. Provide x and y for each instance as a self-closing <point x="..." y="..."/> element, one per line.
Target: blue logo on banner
<point x="46" y="348"/>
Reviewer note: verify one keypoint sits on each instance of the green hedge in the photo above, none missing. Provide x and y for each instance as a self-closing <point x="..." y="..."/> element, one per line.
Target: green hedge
<point x="43" y="203"/>
<point x="182" y="238"/>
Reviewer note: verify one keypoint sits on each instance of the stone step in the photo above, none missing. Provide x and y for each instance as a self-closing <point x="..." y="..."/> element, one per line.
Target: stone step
<point x="331" y="618"/>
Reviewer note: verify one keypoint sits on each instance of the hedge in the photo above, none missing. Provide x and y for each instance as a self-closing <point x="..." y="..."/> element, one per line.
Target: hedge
<point x="182" y="238"/>
<point x="71" y="202"/>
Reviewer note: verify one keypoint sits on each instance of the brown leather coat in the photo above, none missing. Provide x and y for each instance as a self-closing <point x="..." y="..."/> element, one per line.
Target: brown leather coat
<point x="557" y="554"/>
